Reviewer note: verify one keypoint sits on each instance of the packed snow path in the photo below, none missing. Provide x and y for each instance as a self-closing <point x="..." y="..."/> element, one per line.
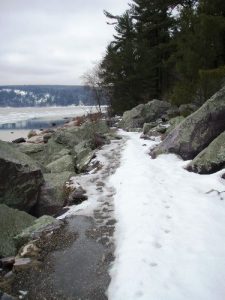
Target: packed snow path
<point x="170" y="232"/>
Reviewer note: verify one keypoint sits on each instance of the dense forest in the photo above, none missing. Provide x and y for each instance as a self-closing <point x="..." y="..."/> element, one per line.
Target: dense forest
<point x="45" y="95"/>
<point x="166" y="49"/>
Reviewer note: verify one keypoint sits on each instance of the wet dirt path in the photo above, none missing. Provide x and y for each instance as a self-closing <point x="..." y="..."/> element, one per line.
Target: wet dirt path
<point x="76" y="262"/>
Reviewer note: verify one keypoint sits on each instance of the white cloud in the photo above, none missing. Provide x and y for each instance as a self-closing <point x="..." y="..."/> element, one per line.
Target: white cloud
<point x="54" y="41"/>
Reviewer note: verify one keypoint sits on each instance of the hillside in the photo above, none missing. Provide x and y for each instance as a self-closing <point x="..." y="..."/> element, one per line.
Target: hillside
<point x="44" y="95"/>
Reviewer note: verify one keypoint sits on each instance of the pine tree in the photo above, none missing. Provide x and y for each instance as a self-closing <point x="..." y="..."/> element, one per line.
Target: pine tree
<point x="153" y="25"/>
<point x="119" y="66"/>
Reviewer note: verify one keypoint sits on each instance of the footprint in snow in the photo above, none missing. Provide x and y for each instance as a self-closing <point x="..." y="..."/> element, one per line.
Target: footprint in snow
<point x="167" y="231"/>
<point x="139" y="294"/>
<point x="169" y="217"/>
<point x="153" y="264"/>
<point x="157" y="245"/>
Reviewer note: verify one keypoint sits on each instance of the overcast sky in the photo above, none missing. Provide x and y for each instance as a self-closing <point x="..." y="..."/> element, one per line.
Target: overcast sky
<point x="52" y="41"/>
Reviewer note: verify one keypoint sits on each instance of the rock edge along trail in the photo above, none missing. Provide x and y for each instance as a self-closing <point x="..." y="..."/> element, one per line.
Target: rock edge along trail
<point x="76" y="262"/>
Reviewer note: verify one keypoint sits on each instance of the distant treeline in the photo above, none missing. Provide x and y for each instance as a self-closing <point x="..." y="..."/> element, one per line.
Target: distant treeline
<point x="166" y="49"/>
<point x="38" y="95"/>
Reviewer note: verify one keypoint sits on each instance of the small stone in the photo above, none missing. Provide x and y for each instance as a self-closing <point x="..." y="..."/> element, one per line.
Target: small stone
<point x="30" y="250"/>
<point x="19" y="140"/>
<point x="22" y="264"/>
<point x="7" y="262"/>
<point x="9" y="275"/>
<point x="46" y="137"/>
<point x="31" y="134"/>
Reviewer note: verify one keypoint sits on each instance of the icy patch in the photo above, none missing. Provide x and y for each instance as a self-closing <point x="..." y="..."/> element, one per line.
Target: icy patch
<point x="16" y="114"/>
<point x="170" y="233"/>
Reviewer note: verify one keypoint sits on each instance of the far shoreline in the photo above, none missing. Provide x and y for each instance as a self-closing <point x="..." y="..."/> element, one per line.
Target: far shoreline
<point x="57" y="115"/>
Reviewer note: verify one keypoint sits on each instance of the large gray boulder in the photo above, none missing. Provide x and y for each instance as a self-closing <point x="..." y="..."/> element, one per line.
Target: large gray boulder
<point x="197" y="131"/>
<point x="62" y="164"/>
<point x="20" y="178"/>
<point x="144" y="113"/>
<point x="12" y="222"/>
<point x="52" y="194"/>
<point x="211" y="159"/>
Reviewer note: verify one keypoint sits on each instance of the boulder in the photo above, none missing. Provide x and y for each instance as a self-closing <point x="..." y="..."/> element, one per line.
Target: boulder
<point x="157" y="131"/>
<point x="31" y="134"/>
<point x="39" y="226"/>
<point x="174" y="122"/>
<point x="148" y="126"/>
<point x="46" y="137"/>
<point x="7" y="262"/>
<point x="20" y="178"/>
<point x="187" y="109"/>
<point x="19" y="140"/>
<point x="22" y="264"/>
<point x="83" y="155"/>
<point x="35" y="152"/>
<point x="173" y="112"/>
<point x="63" y="164"/>
<point x="77" y="196"/>
<point x="52" y="194"/>
<point x="12" y="222"/>
<point x="54" y="151"/>
<point x="144" y="113"/>
<point x="197" y="131"/>
<point x="72" y="136"/>
<point x="44" y="154"/>
<point x="211" y="159"/>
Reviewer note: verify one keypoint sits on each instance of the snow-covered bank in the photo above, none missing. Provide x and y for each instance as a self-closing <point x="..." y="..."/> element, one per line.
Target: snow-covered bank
<point x="170" y="241"/>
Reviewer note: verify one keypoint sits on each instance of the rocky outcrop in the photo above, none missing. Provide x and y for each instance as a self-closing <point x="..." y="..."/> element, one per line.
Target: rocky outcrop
<point x="144" y="113"/>
<point x="72" y="136"/>
<point x="66" y="151"/>
<point x="12" y="222"/>
<point x="20" y="178"/>
<point x="58" y="153"/>
<point x="52" y="194"/>
<point x="211" y="159"/>
<point x="197" y="131"/>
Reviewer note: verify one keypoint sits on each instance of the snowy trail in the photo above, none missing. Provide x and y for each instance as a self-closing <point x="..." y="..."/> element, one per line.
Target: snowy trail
<point x="170" y="235"/>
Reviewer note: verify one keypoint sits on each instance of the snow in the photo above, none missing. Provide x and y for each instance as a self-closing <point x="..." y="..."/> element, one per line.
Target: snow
<point x="16" y="114"/>
<point x="87" y="182"/>
<point x="19" y="92"/>
<point x="170" y="229"/>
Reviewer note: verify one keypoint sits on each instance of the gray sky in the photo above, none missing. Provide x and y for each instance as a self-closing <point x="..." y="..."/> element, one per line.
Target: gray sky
<point x="52" y="41"/>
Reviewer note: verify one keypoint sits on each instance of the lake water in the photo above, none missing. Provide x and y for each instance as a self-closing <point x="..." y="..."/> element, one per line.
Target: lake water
<point x="18" y="121"/>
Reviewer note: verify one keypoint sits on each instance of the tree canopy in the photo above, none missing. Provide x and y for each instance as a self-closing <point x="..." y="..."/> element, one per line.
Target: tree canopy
<point x="167" y="49"/>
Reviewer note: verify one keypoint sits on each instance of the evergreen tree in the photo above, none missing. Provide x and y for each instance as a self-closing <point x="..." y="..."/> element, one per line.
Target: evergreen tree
<point x="153" y="25"/>
<point x="156" y="54"/>
<point x="200" y="51"/>
<point x="119" y="66"/>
